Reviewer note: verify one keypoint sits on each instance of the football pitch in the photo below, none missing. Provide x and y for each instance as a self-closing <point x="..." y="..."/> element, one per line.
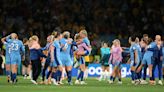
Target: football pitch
<point x="92" y="86"/>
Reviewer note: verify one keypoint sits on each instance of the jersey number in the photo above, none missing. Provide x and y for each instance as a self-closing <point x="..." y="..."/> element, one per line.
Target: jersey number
<point x="14" y="46"/>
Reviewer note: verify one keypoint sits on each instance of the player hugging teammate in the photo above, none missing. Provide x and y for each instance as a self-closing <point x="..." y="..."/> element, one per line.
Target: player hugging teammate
<point x="83" y="49"/>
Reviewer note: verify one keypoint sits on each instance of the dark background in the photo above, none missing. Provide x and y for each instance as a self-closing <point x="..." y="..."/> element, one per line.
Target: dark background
<point x="104" y="20"/>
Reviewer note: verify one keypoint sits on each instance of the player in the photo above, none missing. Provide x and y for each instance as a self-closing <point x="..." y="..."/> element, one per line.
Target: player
<point x="26" y="68"/>
<point x="82" y="47"/>
<point x="84" y="35"/>
<point x="56" y="59"/>
<point x="16" y="47"/>
<point x="46" y="66"/>
<point x="156" y="59"/>
<point x="147" y="58"/>
<point x="115" y="60"/>
<point x="7" y="58"/>
<point x="105" y="54"/>
<point x="162" y="58"/>
<point x="66" y="43"/>
<point x="145" y="38"/>
<point x="137" y="41"/>
<point x="143" y="50"/>
<point x="35" y="55"/>
<point x="135" y="57"/>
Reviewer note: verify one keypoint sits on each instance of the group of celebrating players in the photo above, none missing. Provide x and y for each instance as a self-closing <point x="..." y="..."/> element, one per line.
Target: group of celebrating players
<point x="58" y="56"/>
<point x="61" y="50"/>
<point x="144" y="53"/>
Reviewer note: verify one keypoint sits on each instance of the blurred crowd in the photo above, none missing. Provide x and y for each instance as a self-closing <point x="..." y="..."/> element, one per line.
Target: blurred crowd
<point x="104" y="19"/>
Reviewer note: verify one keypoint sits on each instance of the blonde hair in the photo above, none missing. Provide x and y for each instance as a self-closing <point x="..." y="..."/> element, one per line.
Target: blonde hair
<point x="35" y="38"/>
<point x="56" y="34"/>
<point x="14" y="36"/>
<point x="30" y="39"/>
<point x="83" y="31"/>
<point x="137" y="40"/>
<point x="157" y="37"/>
<point x="76" y="37"/>
<point x="66" y="34"/>
<point x="117" y="41"/>
<point x="50" y="37"/>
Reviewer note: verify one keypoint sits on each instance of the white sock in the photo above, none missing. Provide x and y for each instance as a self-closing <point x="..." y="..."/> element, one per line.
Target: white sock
<point x="107" y="74"/>
<point x="103" y="75"/>
<point x="30" y="74"/>
<point x="86" y="74"/>
<point x="63" y="74"/>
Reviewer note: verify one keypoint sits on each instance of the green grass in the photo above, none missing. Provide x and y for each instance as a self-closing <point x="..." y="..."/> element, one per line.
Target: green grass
<point x="92" y="86"/>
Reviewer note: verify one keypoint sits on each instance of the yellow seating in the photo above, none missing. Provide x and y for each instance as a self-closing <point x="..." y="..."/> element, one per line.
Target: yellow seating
<point x="88" y="58"/>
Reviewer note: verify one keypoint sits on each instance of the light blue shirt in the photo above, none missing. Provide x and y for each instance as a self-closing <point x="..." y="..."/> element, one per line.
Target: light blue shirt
<point x="66" y="52"/>
<point x="16" y="46"/>
<point x="7" y="48"/>
<point x="86" y="41"/>
<point x="133" y="48"/>
<point x="57" y="48"/>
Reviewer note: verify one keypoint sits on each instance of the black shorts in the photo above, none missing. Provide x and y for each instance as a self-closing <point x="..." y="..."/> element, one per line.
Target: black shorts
<point x="26" y="62"/>
<point x="104" y="60"/>
<point x="86" y="64"/>
<point x="106" y="65"/>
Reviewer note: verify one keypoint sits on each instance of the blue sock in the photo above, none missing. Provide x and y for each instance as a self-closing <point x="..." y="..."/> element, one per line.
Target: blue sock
<point x="54" y="75"/>
<point x="138" y="75"/>
<point x="132" y="75"/>
<point x="79" y="76"/>
<point x="151" y="78"/>
<point x="8" y="73"/>
<point x="111" y="77"/>
<point x="119" y="79"/>
<point x="48" y="74"/>
<point x="135" y="76"/>
<point x="82" y="75"/>
<point x="144" y="74"/>
<point x="14" y="76"/>
<point x="59" y="73"/>
<point x="69" y="74"/>
<point x="159" y="71"/>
